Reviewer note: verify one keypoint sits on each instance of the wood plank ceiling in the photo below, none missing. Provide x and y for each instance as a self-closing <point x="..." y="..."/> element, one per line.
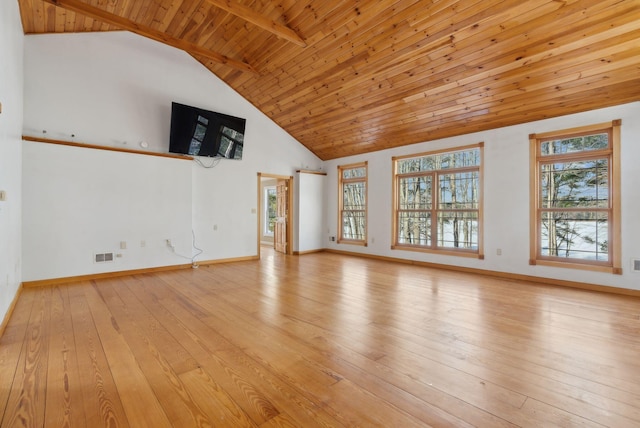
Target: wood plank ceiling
<point x="350" y="77"/>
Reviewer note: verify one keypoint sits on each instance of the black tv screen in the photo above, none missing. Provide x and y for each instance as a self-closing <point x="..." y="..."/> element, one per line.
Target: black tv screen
<point x="199" y="132"/>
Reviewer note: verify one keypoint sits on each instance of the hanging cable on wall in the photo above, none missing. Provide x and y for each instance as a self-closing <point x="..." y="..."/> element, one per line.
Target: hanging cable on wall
<point x="215" y="161"/>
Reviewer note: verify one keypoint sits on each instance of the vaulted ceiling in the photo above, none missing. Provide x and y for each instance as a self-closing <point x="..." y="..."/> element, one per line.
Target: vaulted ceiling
<point x="350" y="77"/>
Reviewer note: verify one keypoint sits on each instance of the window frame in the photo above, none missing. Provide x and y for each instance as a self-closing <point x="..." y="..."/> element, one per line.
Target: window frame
<point x="341" y="181"/>
<point x="434" y="248"/>
<point x="613" y="209"/>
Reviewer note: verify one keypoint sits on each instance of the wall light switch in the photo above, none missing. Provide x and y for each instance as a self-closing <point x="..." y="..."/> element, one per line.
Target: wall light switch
<point x="3" y="195"/>
<point x="123" y="245"/>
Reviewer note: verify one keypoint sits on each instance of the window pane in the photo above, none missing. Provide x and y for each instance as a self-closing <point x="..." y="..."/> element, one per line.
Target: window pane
<point x="414" y="228"/>
<point x="459" y="159"/>
<point x="354" y="173"/>
<point x="578" y="235"/>
<point x="459" y="191"/>
<point x="439" y="161"/>
<point x="458" y="229"/>
<point x="415" y="193"/>
<point x="354" y="196"/>
<point x="575" y="144"/>
<point x="425" y="163"/>
<point x="582" y="184"/>
<point x="353" y="225"/>
<point x="272" y="201"/>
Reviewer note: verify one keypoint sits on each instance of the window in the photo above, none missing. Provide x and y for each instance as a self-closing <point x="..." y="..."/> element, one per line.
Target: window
<point x="437" y="201"/>
<point x="352" y="182"/>
<point x="575" y="178"/>
<point x="270" y="205"/>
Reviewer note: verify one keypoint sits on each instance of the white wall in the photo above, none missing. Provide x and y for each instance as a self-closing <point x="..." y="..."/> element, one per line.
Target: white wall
<point x="116" y="88"/>
<point x="506" y="198"/>
<point x="310" y="190"/>
<point x="11" y="67"/>
<point x="79" y="202"/>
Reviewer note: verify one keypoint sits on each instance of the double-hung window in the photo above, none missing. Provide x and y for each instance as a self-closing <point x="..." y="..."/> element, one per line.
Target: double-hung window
<point x="438" y="201"/>
<point x="352" y="182"/>
<point x="575" y="218"/>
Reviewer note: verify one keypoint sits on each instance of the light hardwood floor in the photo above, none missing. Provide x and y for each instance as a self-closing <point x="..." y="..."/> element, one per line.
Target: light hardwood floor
<point x="319" y="340"/>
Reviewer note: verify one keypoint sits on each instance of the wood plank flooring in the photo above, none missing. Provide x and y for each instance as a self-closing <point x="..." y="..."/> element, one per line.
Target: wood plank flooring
<point x="319" y="340"/>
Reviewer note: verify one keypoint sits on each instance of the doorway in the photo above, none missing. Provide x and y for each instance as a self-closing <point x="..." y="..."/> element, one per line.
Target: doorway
<point x="275" y="223"/>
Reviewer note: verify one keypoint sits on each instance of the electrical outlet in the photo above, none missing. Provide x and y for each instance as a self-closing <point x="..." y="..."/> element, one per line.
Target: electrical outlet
<point x="102" y="257"/>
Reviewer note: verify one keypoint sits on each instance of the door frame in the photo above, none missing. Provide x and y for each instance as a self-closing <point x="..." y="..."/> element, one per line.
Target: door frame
<point x="290" y="212"/>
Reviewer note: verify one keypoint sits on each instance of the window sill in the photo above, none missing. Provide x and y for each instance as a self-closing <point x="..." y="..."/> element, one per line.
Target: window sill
<point x="352" y="242"/>
<point x="459" y="253"/>
<point x="578" y="266"/>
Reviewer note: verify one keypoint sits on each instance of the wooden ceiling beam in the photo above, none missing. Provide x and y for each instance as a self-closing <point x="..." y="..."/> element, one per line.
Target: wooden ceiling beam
<point x="249" y="15"/>
<point x="126" y="24"/>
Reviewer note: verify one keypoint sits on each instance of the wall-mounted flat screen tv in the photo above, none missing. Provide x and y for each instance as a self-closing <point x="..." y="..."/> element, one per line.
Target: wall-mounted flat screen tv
<point x="199" y="132"/>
